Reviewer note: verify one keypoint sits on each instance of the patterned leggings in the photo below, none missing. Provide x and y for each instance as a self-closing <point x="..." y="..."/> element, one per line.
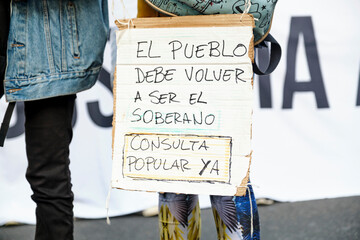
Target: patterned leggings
<point x="235" y="217"/>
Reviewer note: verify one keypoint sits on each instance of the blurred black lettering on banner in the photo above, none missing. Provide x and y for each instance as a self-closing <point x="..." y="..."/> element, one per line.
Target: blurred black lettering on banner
<point x="19" y="127"/>
<point x="93" y="107"/>
<point x="74" y="118"/>
<point x="264" y="80"/>
<point x="358" y="93"/>
<point x="303" y="26"/>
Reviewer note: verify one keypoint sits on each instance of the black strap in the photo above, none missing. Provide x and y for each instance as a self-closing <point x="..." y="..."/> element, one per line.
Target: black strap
<point x="6" y="122"/>
<point x="275" y="56"/>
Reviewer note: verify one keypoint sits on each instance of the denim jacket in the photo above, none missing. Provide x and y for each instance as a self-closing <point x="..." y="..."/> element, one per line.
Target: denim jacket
<point x="55" y="47"/>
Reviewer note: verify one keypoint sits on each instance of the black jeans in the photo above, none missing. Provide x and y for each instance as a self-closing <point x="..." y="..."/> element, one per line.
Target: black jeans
<point x="48" y="133"/>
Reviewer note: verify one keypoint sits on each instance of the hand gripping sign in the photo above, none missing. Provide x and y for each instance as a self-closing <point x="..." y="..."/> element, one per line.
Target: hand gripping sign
<point x="183" y="96"/>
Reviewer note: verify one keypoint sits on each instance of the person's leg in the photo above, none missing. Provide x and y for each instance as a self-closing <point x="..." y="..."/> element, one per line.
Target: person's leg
<point x="236" y="217"/>
<point x="179" y="216"/>
<point x="48" y="133"/>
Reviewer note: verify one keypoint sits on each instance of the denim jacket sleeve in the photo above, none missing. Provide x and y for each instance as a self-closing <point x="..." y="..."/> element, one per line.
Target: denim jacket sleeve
<point x="55" y="47"/>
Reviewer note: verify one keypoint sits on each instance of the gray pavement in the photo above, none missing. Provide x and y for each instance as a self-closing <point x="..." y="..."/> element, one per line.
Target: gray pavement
<point x="328" y="219"/>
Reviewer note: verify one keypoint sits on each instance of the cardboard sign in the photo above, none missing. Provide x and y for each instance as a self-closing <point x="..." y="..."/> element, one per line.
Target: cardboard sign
<point x="183" y="97"/>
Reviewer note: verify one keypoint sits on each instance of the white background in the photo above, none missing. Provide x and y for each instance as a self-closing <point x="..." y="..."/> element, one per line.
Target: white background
<point x="299" y="154"/>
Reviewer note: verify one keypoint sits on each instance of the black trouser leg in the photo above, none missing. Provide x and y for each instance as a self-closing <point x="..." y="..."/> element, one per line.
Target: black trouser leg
<point x="48" y="133"/>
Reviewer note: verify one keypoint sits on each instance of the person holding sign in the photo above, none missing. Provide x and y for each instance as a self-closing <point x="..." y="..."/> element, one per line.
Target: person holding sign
<point x="236" y="217"/>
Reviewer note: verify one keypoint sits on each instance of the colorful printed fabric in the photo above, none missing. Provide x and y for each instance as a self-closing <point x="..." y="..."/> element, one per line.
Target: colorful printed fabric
<point x="179" y="217"/>
<point x="236" y="218"/>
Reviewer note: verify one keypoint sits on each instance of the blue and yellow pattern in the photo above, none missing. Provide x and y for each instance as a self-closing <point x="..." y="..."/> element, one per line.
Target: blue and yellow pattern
<point x="236" y="218"/>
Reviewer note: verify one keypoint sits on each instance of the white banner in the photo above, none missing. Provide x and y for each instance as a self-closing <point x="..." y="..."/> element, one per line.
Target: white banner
<point x="306" y="129"/>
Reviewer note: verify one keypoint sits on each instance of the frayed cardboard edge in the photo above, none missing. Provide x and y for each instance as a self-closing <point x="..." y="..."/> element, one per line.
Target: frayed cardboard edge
<point x="241" y="190"/>
<point x="114" y="114"/>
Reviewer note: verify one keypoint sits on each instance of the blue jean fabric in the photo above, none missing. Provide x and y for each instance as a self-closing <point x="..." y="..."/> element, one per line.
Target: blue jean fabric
<point x="55" y="47"/>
